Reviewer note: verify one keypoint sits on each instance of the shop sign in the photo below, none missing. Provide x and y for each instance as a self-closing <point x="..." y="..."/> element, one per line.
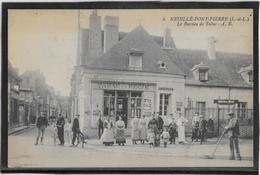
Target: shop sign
<point x="165" y="89"/>
<point x="124" y="86"/>
<point x="225" y="101"/>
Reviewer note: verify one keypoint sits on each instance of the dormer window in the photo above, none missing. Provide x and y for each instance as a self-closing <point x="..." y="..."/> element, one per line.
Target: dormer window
<point x="162" y="64"/>
<point x="247" y="73"/>
<point x="135" y="57"/>
<point x="200" y="72"/>
<point x="203" y="75"/>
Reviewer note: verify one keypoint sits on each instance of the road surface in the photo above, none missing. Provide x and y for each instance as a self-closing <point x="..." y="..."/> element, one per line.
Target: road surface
<point x="23" y="153"/>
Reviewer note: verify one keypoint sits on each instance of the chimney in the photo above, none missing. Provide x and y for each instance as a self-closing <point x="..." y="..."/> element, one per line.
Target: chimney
<point x="95" y="45"/>
<point x="167" y="38"/>
<point x="111" y="34"/>
<point x="211" y="50"/>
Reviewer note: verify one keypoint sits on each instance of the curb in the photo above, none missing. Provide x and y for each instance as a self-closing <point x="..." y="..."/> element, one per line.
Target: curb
<point x="15" y="131"/>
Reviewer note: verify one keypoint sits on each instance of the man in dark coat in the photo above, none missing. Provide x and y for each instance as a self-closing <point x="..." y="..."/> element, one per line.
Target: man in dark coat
<point x="210" y="127"/>
<point x="160" y="123"/>
<point x="41" y="124"/>
<point x="202" y="128"/>
<point x="100" y="126"/>
<point x="172" y="130"/>
<point x="75" y="128"/>
<point x="60" y="129"/>
<point x="233" y="132"/>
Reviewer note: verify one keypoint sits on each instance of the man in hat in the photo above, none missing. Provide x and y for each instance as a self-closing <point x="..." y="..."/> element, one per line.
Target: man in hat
<point x="60" y="129"/>
<point x="41" y="124"/>
<point x="233" y="132"/>
<point x="202" y="128"/>
<point x="195" y="127"/>
<point x="75" y="128"/>
<point x="172" y="130"/>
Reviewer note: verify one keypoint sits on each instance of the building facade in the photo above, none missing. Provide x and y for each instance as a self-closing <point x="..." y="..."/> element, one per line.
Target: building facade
<point x="138" y="74"/>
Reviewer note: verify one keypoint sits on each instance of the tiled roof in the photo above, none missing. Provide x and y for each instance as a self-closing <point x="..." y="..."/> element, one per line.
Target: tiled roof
<point x="117" y="59"/>
<point x="222" y="72"/>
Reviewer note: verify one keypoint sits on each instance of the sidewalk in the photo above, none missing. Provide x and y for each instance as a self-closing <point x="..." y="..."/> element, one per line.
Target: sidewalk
<point x="19" y="129"/>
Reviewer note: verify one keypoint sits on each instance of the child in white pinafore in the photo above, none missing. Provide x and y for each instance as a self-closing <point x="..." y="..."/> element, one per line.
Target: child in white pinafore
<point x="151" y="137"/>
<point x="165" y="136"/>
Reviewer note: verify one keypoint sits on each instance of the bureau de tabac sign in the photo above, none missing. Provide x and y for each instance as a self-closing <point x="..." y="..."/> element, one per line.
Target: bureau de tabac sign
<point x="113" y="85"/>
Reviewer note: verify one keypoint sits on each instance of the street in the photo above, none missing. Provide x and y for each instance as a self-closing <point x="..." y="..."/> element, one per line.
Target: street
<point x="23" y="153"/>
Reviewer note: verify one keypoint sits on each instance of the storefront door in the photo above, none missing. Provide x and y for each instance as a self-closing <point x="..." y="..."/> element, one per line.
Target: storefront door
<point x="121" y="106"/>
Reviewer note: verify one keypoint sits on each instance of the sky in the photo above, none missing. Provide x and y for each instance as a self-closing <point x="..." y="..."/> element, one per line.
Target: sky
<point x="47" y="39"/>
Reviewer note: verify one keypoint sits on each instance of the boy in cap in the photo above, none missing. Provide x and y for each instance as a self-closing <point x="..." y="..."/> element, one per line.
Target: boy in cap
<point x="233" y="132"/>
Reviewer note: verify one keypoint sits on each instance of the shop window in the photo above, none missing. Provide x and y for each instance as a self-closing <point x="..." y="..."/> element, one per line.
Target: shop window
<point x="136" y="104"/>
<point x="164" y="104"/>
<point x="109" y="103"/>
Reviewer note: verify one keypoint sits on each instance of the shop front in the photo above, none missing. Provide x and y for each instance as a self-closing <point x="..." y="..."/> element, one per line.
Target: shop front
<point x="126" y="99"/>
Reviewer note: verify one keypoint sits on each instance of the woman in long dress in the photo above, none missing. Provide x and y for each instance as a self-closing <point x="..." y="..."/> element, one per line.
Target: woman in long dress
<point x="181" y="128"/>
<point x="120" y="131"/>
<point x="108" y="135"/>
<point x="135" y="130"/>
<point x="143" y="129"/>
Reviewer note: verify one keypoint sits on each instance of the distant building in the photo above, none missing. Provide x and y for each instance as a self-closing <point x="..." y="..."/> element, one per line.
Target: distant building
<point x="139" y="74"/>
<point x="13" y="96"/>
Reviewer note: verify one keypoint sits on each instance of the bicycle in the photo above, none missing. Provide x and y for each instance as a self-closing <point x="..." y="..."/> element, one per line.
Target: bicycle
<point x="81" y="139"/>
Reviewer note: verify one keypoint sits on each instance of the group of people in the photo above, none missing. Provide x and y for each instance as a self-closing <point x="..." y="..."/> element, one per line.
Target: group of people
<point x="142" y="131"/>
<point x="59" y="126"/>
<point x="200" y="126"/>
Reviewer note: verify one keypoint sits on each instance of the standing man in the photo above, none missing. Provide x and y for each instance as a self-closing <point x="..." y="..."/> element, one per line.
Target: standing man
<point x="195" y="127"/>
<point x="100" y="126"/>
<point x="41" y="124"/>
<point x="233" y="132"/>
<point x="172" y="130"/>
<point x="60" y="128"/>
<point x="75" y="128"/>
<point x="160" y="122"/>
<point x="202" y="129"/>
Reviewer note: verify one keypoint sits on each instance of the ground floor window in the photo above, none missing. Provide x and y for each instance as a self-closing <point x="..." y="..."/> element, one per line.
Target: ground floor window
<point x="241" y="110"/>
<point x="164" y="104"/>
<point x="201" y="106"/>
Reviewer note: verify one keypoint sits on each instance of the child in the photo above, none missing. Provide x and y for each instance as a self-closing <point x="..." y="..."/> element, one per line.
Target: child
<point x="172" y="131"/>
<point x="151" y="137"/>
<point x="54" y="130"/>
<point x="165" y="136"/>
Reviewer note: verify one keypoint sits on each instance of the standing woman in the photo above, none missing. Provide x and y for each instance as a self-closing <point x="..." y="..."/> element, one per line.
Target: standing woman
<point x="143" y="129"/>
<point x="181" y="128"/>
<point x="135" y="130"/>
<point x="120" y="131"/>
<point x="108" y="135"/>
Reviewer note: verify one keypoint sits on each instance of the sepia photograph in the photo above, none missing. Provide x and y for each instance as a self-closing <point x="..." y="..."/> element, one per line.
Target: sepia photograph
<point x="124" y="88"/>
